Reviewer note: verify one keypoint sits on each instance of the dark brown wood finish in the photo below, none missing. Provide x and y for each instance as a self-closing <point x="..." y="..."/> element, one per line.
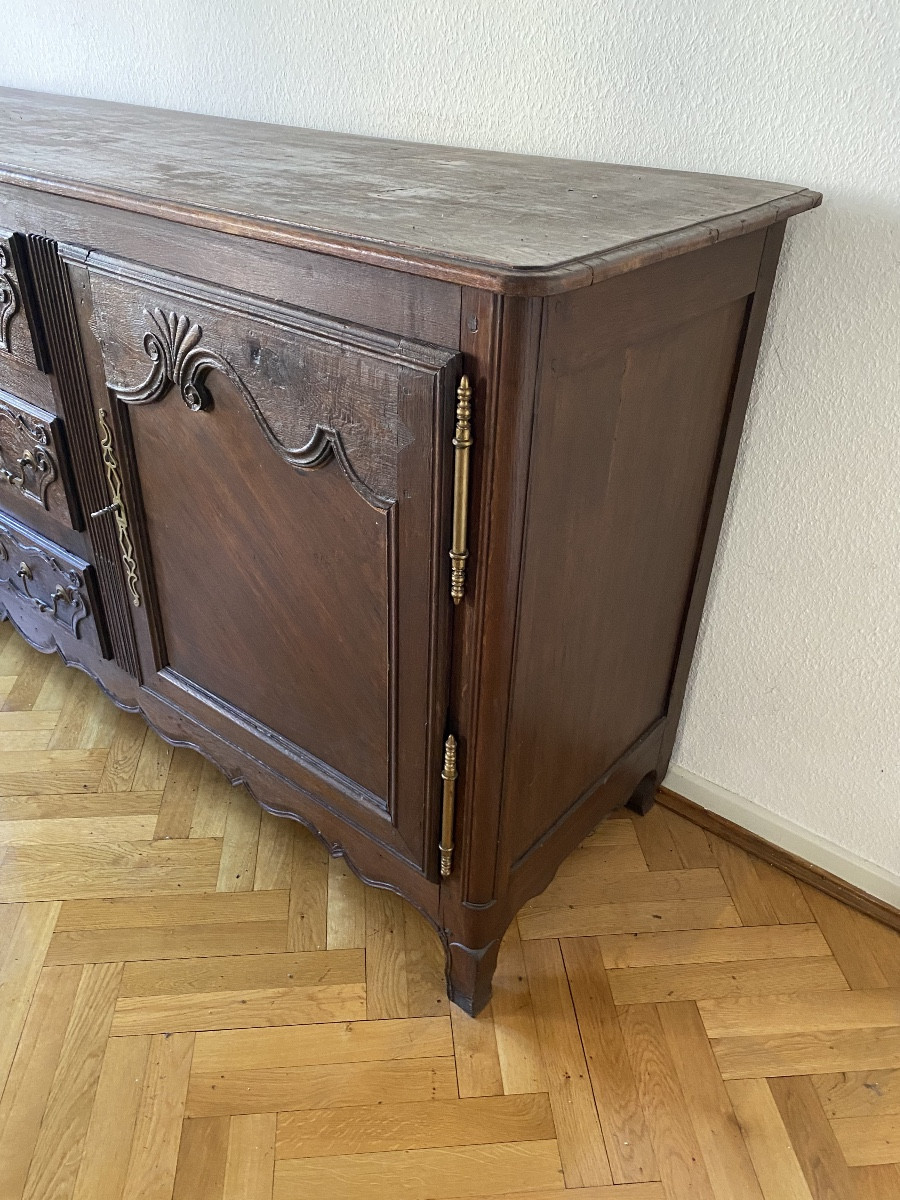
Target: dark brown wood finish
<point x="248" y="375"/>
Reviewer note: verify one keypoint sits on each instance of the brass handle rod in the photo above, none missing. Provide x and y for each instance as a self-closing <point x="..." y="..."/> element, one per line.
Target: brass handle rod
<point x="459" y="550"/>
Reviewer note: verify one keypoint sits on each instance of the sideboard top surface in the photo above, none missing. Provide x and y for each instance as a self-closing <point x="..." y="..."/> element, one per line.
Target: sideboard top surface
<point x="507" y="222"/>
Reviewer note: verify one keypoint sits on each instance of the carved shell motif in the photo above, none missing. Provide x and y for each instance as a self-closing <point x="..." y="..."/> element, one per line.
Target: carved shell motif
<point x="173" y="347"/>
<point x="9" y="298"/>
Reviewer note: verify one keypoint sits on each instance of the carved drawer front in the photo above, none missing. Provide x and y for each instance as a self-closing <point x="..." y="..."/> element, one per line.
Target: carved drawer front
<point x="48" y="593"/>
<point x="32" y="460"/>
<point x="23" y="361"/>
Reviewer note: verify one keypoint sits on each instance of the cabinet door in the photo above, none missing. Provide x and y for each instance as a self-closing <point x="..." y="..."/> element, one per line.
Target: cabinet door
<point x="285" y="487"/>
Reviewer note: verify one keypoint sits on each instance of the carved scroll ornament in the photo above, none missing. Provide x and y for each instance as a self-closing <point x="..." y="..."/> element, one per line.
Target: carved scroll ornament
<point x="9" y="298"/>
<point x="174" y="345"/>
<point x="27" y="462"/>
<point x="41" y="581"/>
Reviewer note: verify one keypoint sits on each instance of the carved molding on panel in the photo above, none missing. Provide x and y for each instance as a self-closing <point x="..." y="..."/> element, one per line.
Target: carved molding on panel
<point x="173" y="343"/>
<point x="39" y="580"/>
<point x="30" y="467"/>
<point x="9" y="297"/>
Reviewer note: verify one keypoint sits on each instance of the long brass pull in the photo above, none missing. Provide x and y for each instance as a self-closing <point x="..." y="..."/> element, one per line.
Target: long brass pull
<point x="449" y="776"/>
<point x="459" y="550"/>
<point x="117" y="507"/>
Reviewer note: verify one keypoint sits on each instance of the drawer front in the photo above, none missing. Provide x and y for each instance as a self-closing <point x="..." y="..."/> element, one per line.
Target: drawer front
<point x="23" y="361"/>
<point x="32" y="461"/>
<point x="49" y="594"/>
<point x="285" y="489"/>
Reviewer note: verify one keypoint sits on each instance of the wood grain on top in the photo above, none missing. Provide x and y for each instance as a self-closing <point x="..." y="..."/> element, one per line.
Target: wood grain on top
<point x="506" y="221"/>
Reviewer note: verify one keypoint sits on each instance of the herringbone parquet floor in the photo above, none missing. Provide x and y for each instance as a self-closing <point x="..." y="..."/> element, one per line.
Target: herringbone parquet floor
<point x="198" y="1003"/>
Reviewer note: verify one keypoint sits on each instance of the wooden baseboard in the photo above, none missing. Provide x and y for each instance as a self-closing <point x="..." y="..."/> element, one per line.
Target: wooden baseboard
<point x="793" y="864"/>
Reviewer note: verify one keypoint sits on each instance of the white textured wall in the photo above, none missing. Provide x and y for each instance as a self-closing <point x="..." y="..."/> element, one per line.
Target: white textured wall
<point x="795" y="698"/>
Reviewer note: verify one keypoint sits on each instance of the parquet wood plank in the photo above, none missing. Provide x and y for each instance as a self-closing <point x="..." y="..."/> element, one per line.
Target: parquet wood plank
<point x="167" y="912"/>
<point x="107" y="1149"/>
<point x="725" y="1155"/>
<point x="308" y="917"/>
<point x="250" y="1165"/>
<point x="813" y="1053"/>
<point x="236" y="972"/>
<point x="475" y="1048"/>
<point x="176" y="809"/>
<point x="21" y="960"/>
<point x="333" y="1085"/>
<point x="737" y="945"/>
<point x="52" y="696"/>
<point x="678" y="1154"/>
<point x="202" y="1158"/>
<point x="24" y="773"/>
<point x="859" y="1093"/>
<point x="240" y="1009"/>
<point x="124" y="753"/>
<point x="25" y="739"/>
<point x="24" y="1098"/>
<point x="211" y="804"/>
<point x="153" y="764"/>
<point x="870" y="1140"/>
<point x="154" y="1149"/>
<point x="182" y="941"/>
<point x="818" y="1153"/>
<point x="703" y="981"/>
<point x="604" y="860"/>
<point x="274" y="854"/>
<point x="29" y="718"/>
<point x="119" y="869"/>
<point x="306" y="1046"/>
<point x="74" y="728"/>
<point x="628" y="1191"/>
<point x="386" y="991"/>
<point x="240" y="841"/>
<point x="803" y="1012"/>
<point x="876" y="1183"/>
<point x="656" y="841"/>
<point x="751" y="897"/>
<point x="57" y="1155"/>
<point x="628" y="1145"/>
<point x="518" y="1049"/>
<point x="426" y="987"/>
<point x="867" y="951"/>
<point x="771" y="1151"/>
<point x="61" y="831"/>
<point x="783" y="892"/>
<point x="29" y="681"/>
<point x="421" y="1174"/>
<point x="651" y="886"/>
<point x="382" y="1127"/>
<point x="646" y="917"/>
<point x="690" y="841"/>
<point x="69" y="805"/>
<point x="346" y="908"/>
<point x="580" y="1138"/>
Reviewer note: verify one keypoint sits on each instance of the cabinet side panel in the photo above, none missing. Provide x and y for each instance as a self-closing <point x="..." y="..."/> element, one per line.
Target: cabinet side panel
<point x="626" y="441"/>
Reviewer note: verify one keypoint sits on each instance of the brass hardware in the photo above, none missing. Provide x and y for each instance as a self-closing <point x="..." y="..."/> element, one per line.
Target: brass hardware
<point x="24" y="572"/>
<point x="449" y="775"/>
<point x="463" y="442"/>
<point x="117" y="507"/>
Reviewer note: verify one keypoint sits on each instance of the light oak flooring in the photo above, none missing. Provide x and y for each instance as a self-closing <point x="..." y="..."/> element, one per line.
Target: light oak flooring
<point x="196" y="1003"/>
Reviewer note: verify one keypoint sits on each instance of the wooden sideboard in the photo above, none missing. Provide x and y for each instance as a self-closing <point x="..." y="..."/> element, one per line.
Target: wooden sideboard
<point x="387" y="476"/>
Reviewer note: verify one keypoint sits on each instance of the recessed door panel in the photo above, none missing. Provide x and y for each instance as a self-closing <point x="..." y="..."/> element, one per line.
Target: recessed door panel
<point x="286" y="482"/>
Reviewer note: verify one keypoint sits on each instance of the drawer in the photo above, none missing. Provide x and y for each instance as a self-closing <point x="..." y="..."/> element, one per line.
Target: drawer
<point x="23" y="360"/>
<point x="33" y="468"/>
<point x="49" y="594"/>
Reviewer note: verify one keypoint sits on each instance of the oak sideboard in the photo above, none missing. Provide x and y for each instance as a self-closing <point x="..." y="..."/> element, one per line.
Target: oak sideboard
<point x="388" y="476"/>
